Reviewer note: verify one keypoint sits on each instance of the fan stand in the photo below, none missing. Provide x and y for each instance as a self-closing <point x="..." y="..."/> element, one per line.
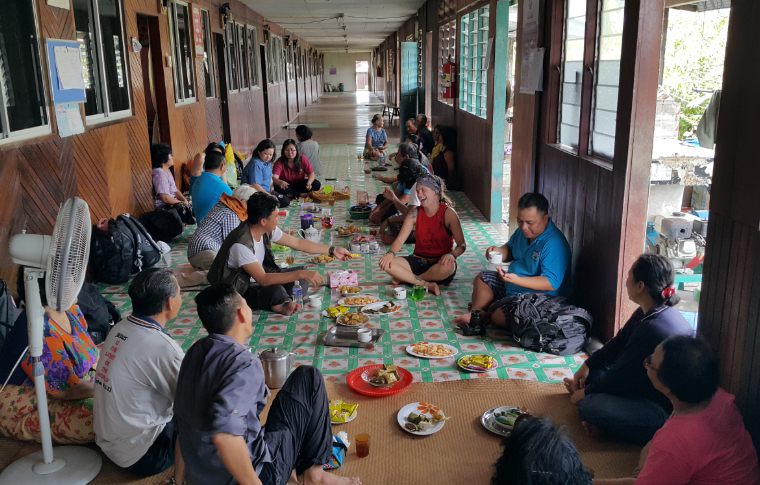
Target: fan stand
<point x="73" y="465"/>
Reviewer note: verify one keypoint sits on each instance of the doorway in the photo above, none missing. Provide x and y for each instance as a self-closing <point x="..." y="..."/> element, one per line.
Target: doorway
<point x="264" y="86"/>
<point x="149" y="34"/>
<point x="222" y="61"/>
<point x="362" y="75"/>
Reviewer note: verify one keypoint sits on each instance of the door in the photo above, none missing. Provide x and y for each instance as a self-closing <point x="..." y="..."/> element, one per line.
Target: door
<point x="265" y="86"/>
<point x="408" y="88"/>
<point x="221" y="56"/>
<point x="148" y="34"/>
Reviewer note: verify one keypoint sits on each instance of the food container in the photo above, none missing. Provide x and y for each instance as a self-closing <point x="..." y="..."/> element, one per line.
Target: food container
<point x="364" y="247"/>
<point x="349" y="337"/>
<point x="355" y="247"/>
<point x="374" y="246"/>
<point x="307" y="221"/>
<point x="343" y="278"/>
<point x="360" y="211"/>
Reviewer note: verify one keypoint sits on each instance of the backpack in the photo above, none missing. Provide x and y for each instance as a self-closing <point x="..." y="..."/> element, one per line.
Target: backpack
<point x="163" y="225"/>
<point x="100" y="313"/>
<point x="112" y="253"/>
<point x="548" y="324"/>
<point x="8" y="312"/>
<point x="239" y="166"/>
<point x="146" y="251"/>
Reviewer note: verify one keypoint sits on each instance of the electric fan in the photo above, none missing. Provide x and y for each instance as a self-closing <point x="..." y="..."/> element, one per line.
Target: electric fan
<point x="62" y="258"/>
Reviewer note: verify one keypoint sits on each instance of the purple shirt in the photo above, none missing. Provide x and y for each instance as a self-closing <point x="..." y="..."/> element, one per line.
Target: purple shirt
<point x="220" y="389"/>
<point x="163" y="183"/>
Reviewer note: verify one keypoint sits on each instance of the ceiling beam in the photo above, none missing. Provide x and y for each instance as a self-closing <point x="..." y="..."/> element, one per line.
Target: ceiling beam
<point x="678" y="3"/>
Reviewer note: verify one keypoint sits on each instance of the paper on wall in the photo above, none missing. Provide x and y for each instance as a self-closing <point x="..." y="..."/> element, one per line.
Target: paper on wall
<point x="68" y="119"/>
<point x="532" y="65"/>
<point x="59" y="3"/>
<point x="69" y="66"/>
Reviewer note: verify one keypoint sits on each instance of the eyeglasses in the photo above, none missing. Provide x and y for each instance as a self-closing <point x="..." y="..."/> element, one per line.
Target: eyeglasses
<point x="648" y="364"/>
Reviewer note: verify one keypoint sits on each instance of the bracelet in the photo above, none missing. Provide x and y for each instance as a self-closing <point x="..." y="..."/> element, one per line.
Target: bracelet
<point x="390" y="251"/>
<point x="331" y="251"/>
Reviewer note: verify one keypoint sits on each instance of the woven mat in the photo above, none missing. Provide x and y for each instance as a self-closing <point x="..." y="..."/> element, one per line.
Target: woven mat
<point x="462" y="452"/>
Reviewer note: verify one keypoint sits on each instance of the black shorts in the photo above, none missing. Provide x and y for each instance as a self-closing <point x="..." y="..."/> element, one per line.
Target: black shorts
<point x="419" y="265"/>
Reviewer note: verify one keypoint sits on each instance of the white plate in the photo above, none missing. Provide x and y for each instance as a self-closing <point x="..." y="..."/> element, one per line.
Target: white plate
<point x="495" y="365"/>
<point x="342" y="301"/>
<point x="337" y="320"/>
<point x="412" y="408"/>
<point x="348" y="420"/>
<point x="411" y="352"/>
<point x="353" y="294"/>
<point x="375" y="306"/>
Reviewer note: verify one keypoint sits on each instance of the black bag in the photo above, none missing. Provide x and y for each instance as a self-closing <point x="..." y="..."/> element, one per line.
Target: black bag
<point x="185" y="213"/>
<point x="100" y="313"/>
<point x="548" y="324"/>
<point x="146" y="251"/>
<point x="163" y="225"/>
<point x="112" y="253"/>
<point x="239" y="167"/>
<point x="8" y="312"/>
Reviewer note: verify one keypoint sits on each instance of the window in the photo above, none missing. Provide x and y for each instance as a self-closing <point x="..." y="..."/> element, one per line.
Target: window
<point x="473" y="77"/>
<point x="241" y="41"/>
<point x="184" y="53"/>
<point x="446" y="8"/>
<point x="253" y="56"/>
<point x="291" y="69"/>
<point x="232" y="60"/>
<point x="448" y="53"/>
<point x="100" y="32"/>
<point x="572" y="73"/>
<point x="208" y="56"/>
<point x="606" y="79"/>
<point x="275" y="64"/>
<point x="23" y="110"/>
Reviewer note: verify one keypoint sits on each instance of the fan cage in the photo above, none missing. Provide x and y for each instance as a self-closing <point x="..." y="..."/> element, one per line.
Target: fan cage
<point x="66" y="269"/>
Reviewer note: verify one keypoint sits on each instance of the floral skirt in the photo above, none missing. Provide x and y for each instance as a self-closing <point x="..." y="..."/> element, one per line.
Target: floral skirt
<point x="71" y="422"/>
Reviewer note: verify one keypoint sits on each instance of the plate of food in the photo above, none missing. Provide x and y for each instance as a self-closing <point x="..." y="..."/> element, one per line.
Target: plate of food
<point x="356" y="382"/>
<point x="348" y="230"/>
<point x="381" y="308"/>
<point x="322" y="258"/>
<point x="477" y="363"/>
<point x="352" y="319"/>
<point x="489" y="423"/>
<point x="421" y="418"/>
<point x="353" y="301"/>
<point x="349" y="290"/>
<point x="427" y="350"/>
<point x="335" y="311"/>
<point x="384" y="377"/>
<point x="507" y="416"/>
<point x="342" y="412"/>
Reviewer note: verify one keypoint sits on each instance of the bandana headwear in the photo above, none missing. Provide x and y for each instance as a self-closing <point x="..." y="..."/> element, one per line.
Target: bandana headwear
<point x="668" y="292"/>
<point x="430" y="183"/>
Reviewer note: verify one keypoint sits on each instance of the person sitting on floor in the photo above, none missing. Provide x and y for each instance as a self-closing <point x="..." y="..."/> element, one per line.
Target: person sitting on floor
<point x="164" y="187"/>
<point x="410" y="172"/>
<point x="207" y="186"/>
<point x="704" y="441"/>
<point x="411" y="126"/>
<point x="407" y="153"/>
<point x="537" y="453"/>
<point x="220" y="221"/>
<point x="258" y="171"/>
<point x="444" y="160"/>
<point x="437" y="227"/>
<point x="377" y="140"/>
<point x="220" y="396"/>
<point x="309" y="148"/>
<point x="421" y="157"/>
<point x="540" y="258"/>
<point x="611" y="388"/>
<point x="246" y="260"/>
<point x="292" y="174"/>
<point x="198" y="160"/>
<point x="136" y="385"/>
<point x="68" y="356"/>
<point x="424" y="132"/>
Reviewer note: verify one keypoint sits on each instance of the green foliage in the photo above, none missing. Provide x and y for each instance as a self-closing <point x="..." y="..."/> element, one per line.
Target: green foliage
<point x="696" y="48"/>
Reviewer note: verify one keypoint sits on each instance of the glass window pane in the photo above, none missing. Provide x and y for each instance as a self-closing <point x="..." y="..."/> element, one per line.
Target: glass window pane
<point x="574" y="44"/>
<point x="85" y="35"/>
<point x="240" y="40"/>
<point x="208" y="56"/>
<point x="232" y="63"/>
<point x="253" y="57"/>
<point x="184" y="67"/>
<point x="114" y="61"/>
<point x="20" y="68"/>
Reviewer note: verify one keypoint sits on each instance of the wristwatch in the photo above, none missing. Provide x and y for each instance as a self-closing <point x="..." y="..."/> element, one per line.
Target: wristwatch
<point x="331" y="252"/>
<point x="390" y="251"/>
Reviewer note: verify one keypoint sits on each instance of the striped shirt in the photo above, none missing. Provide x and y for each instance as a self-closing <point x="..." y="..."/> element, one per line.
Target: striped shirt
<point x="213" y="229"/>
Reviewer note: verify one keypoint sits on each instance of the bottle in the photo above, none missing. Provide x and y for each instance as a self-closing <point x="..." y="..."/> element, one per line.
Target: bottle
<point x="297" y="294"/>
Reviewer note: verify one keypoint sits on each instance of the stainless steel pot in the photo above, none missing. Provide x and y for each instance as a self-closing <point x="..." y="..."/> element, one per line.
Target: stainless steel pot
<point x="277" y="364"/>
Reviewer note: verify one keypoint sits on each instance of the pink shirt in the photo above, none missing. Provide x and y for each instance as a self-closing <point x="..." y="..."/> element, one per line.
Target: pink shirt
<point x="290" y="175"/>
<point x="710" y="447"/>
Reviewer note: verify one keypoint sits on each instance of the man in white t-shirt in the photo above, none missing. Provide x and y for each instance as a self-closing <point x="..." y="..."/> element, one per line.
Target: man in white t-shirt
<point x="137" y="380"/>
<point x="247" y="248"/>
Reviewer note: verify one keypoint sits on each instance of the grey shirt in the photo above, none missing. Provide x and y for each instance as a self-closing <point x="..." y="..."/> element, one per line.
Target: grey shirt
<point x="220" y="389"/>
<point x="310" y="150"/>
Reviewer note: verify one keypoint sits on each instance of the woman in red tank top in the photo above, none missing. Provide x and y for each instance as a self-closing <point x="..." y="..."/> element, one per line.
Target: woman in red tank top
<point x="437" y="227"/>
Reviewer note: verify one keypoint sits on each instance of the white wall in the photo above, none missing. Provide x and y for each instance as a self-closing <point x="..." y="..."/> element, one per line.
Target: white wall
<point x="346" y="65"/>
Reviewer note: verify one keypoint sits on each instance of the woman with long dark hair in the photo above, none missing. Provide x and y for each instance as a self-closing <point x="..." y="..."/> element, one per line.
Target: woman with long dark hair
<point x="258" y="172"/>
<point x="444" y="159"/>
<point x="292" y="174"/>
<point x="612" y="390"/>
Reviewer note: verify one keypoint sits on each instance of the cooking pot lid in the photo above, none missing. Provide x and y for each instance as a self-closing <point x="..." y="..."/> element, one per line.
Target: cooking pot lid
<point x="273" y="354"/>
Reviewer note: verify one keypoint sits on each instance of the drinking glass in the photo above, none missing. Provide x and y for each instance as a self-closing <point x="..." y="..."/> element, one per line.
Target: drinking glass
<point x="418" y="292"/>
<point x="362" y="445"/>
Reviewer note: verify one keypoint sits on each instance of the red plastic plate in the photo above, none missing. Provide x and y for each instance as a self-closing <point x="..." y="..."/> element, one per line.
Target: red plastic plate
<point x="355" y="382"/>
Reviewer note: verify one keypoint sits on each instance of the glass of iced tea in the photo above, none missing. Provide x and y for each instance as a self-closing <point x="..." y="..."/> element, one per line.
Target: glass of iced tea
<point x="331" y="202"/>
<point x="290" y="258"/>
<point x="362" y="445"/>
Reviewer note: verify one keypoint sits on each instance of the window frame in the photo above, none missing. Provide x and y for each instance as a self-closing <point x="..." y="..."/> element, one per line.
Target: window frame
<point x="275" y="48"/>
<point x="477" y="60"/>
<point x="451" y="50"/>
<point x="101" y="81"/>
<point x="233" y="78"/>
<point x="241" y="52"/>
<point x="208" y="51"/>
<point x="7" y="136"/>
<point x="560" y="102"/>
<point x="179" y="99"/>
<point x="253" y="57"/>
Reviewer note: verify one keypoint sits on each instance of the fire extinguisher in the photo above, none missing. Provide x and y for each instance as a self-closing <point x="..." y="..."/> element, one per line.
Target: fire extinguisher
<point x="448" y="82"/>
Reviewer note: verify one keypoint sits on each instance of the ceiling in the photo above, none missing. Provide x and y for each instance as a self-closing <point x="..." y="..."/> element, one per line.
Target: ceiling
<point x="367" y="22"/>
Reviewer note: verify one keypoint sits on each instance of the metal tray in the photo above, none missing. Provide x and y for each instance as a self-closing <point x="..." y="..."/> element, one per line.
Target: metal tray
<point x="489" y="423"/>
<point x="348" y="337"/>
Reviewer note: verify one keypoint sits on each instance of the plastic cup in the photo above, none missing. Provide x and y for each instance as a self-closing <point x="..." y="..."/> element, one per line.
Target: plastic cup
<point x="362" y="445"/>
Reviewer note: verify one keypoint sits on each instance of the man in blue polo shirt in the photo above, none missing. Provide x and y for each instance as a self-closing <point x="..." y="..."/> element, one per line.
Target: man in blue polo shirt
<point x="540" y="257"/>
<point x="207" y="186"/>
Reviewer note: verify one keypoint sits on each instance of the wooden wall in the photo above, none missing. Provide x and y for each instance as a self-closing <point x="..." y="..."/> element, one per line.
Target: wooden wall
<point x="730" y="302"/>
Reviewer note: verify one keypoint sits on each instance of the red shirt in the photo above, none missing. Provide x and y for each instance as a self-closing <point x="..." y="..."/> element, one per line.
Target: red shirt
<point x="290" y="175"/>
<point x="711" y="447"/>
<point x="433" y="239"/>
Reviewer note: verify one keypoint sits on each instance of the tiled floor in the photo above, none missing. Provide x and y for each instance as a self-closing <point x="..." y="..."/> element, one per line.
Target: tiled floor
<point x="426" y="320"/>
